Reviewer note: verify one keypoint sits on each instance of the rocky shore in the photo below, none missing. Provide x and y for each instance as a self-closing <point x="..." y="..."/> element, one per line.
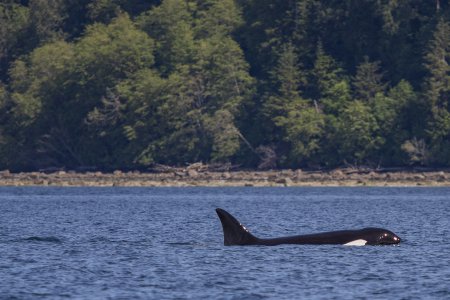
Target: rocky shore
<point x="198" y="176"/>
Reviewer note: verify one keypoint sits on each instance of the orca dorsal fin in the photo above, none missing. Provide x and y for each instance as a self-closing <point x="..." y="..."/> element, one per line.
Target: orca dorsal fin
<point x="234" y="233"/>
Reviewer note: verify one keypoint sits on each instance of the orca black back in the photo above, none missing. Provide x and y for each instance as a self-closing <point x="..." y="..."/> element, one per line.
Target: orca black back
<point x="234" y="233"/>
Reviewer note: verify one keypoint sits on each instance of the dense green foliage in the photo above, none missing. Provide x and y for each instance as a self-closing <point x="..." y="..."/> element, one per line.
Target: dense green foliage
<point x="260" y="83"/>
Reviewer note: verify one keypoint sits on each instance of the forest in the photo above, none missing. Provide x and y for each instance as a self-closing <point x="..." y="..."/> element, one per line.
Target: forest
<point x="261" y="84"/>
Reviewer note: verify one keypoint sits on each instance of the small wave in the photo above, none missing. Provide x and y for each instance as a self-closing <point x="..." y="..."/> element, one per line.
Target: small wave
<point x="99" y="239"/>
<point x="24" y="261"/>
<point x="102" y="239"/>
<point x="192" y="244"/>
<point x="181" y="243"/>
<point x="47" y="239"/>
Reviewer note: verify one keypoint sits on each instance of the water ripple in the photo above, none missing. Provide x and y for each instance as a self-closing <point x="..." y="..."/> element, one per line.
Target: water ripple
<point x="45" y="239"/>
<point x="124" y="243"/>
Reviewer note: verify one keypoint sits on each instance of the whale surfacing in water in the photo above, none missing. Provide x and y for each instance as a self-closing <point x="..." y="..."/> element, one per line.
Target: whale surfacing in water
<point x="234" y="233"/>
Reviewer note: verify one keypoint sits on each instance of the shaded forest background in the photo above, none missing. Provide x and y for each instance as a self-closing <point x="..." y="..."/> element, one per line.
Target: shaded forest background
<point x="124" y="84"/>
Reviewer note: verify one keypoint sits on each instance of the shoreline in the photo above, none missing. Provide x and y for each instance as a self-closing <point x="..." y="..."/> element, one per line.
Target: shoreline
<point x="191" y="177"/>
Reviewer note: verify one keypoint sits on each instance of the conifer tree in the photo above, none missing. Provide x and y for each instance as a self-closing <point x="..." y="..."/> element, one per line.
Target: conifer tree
<point x="300" y="122"/>
<point x="221" y="17"/>
<point x="437" y="64"/>
<point x="357" y="129"/>
<point x="330" y="83"/>
<point x="368" y="80"/>
<point x="437" y="91"/>
<point x="286" y="79"/>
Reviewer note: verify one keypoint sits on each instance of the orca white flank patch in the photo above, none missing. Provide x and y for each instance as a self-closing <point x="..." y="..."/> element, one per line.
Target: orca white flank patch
<point x="359" y="242"/>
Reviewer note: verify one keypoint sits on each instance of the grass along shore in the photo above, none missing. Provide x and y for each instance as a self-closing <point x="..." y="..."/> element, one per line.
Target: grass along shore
<point x="200" y="177"/>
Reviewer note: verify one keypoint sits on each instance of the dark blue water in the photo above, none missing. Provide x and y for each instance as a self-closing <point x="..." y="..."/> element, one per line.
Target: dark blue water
<point x="163" y="243"/>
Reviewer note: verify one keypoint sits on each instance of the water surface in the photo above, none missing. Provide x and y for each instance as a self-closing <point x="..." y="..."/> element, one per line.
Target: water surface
<point x="165" y="243"/>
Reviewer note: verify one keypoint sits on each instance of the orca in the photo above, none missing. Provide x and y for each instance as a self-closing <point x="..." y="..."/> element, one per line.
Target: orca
<point x="234" y="233"/>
